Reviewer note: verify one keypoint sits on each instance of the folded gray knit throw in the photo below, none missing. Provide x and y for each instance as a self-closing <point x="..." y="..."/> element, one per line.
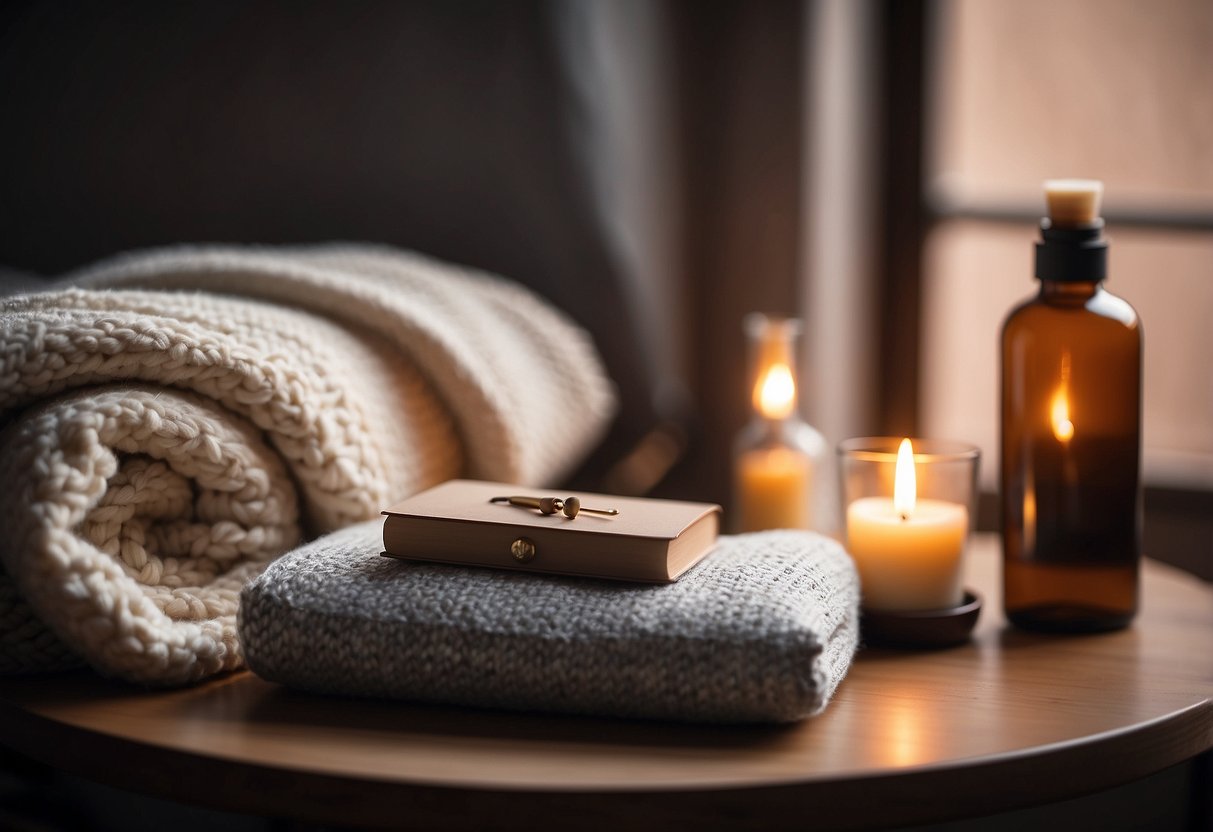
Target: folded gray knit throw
<point x="763" y="630"/>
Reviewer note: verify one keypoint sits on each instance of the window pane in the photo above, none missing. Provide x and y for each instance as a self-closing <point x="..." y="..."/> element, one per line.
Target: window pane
<point x="1119" y="90"/>
<point x="974" y="272"/>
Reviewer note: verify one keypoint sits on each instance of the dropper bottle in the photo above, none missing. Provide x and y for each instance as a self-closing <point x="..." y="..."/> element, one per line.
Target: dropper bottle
<point x="1071" y="432"/>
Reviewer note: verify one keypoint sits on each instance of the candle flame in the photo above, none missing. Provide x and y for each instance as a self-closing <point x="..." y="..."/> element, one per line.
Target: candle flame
<point x="905" y="484"/>
<point x="1059" y="408"/>
<point x="775" y="394"/>
<point x="1059" y="415"/>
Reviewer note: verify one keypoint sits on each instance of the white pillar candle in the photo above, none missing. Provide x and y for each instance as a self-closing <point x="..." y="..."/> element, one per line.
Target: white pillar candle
<point x="908" y="551"/>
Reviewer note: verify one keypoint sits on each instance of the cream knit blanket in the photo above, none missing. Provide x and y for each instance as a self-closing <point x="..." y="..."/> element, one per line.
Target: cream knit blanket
<point x="180" y="417"/>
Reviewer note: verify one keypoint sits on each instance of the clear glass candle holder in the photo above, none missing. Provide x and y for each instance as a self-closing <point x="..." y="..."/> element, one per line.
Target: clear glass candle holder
<point x="908" y="514"/>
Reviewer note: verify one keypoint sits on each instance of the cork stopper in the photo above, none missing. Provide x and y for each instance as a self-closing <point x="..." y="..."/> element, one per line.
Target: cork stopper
<point x="1073" y="203"/>
<point x="1072" y="247"/>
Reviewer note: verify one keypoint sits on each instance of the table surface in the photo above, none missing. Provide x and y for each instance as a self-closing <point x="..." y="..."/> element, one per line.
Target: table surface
<point x="1010" y="719"/>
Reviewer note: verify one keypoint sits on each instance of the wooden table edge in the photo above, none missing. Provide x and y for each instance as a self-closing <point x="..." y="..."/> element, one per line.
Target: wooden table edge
<point x="920" y="794"/>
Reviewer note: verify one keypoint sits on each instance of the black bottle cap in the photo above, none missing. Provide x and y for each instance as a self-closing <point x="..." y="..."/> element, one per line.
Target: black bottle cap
<point x="1073" y="254"/>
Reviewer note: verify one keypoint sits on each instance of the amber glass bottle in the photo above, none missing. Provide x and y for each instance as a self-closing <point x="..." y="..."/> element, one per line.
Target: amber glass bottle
<point x="1071" y="433"/>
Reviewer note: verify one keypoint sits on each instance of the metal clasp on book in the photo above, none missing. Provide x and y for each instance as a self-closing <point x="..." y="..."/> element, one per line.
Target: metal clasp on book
<point x="570" y="507"/>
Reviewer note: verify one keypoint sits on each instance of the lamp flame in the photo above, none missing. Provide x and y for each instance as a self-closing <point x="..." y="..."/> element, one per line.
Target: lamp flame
<point x="775" y="393"/>
<point x="905" y="483"/>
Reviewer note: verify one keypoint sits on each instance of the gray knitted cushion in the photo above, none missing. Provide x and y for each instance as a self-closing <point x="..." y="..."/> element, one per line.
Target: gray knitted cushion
<point x="762" y="630"/>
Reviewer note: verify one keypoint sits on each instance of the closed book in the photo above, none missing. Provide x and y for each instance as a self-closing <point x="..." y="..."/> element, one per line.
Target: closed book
<point x="458" y="522"/>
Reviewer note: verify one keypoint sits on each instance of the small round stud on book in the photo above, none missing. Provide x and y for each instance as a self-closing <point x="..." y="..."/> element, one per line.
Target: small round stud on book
<point x="570" y="507"/>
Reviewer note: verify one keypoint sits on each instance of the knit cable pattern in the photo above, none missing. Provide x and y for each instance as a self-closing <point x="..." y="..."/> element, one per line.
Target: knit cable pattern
<point x="325" y="383"/>
<point x="136" y="516"/>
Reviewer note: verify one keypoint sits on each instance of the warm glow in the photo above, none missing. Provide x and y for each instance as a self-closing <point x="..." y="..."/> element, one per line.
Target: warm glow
<point x="905" y="484"/>
<point x="1059" y="409"/>
<point x="1029" y="512"/>
<point x="775" y="394"/>
<point x="1059" y="415"/>
<point x="903" y="728"/>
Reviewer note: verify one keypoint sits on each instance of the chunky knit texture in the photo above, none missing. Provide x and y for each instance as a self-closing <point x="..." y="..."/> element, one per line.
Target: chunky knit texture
<point x="161" y="446"/>
<point x="762" y="630"/>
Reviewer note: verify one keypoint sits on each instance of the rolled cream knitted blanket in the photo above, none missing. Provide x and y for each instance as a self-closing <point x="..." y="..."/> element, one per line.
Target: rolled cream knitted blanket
<point x="178" y="418"/>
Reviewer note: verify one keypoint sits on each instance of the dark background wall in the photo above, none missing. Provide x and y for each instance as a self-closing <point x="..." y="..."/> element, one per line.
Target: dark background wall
<point x="490" y="134"/>
<point x="453" y="128"/>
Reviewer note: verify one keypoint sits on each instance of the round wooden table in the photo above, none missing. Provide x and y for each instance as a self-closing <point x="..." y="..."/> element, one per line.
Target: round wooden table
<point x="1011" y="719"/>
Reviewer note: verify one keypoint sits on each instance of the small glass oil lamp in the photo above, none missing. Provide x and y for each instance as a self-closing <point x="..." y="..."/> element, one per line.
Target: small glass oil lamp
<point x="781" y="478"/>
